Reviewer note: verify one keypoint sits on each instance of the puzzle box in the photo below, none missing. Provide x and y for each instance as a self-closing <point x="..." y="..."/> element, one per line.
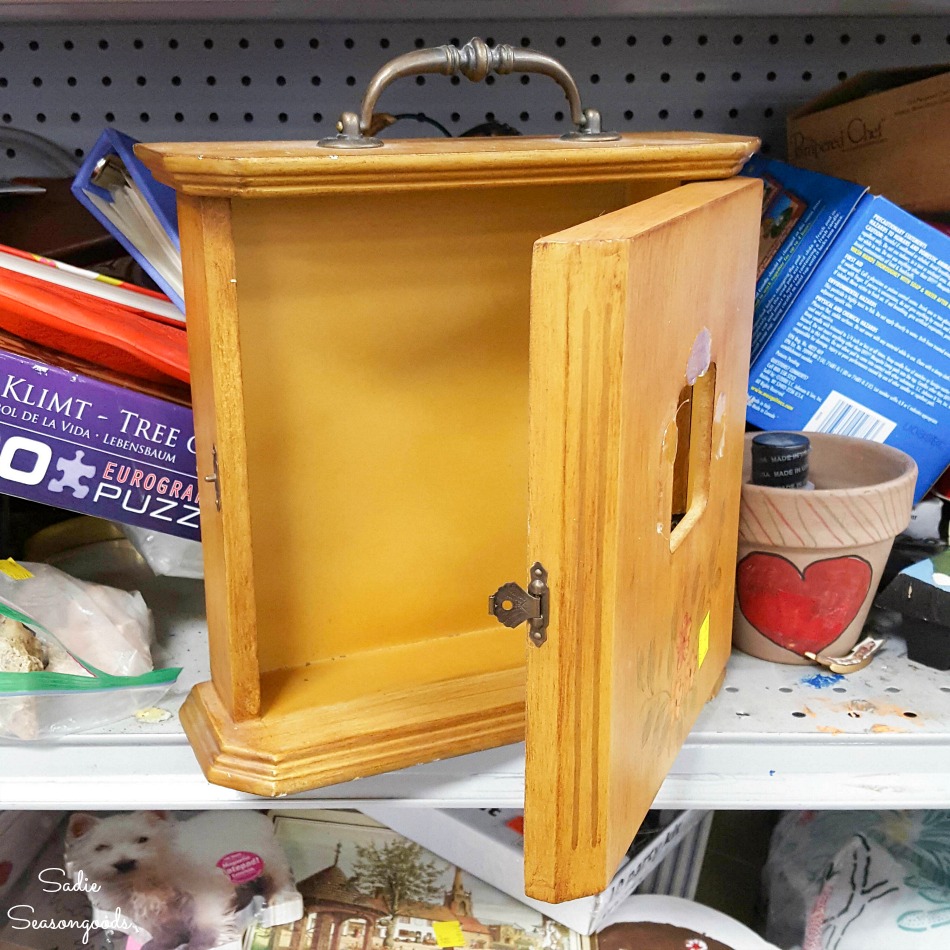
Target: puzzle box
<point x="851" y="333"/>
<point x="74" y="442"/>
<point x="489" y="844"/>
<point x="366" y="887"/>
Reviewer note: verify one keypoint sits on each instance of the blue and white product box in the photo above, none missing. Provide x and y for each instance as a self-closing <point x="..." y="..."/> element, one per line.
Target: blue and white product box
<point x="851" y="333"/>
<point x="78" y="443"/>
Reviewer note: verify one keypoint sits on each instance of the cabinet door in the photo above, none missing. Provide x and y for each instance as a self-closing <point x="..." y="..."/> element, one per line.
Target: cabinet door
<point x="640" y="335"/>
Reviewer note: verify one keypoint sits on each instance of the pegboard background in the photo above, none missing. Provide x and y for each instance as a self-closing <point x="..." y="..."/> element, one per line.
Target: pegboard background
<point x="291" y="79"/>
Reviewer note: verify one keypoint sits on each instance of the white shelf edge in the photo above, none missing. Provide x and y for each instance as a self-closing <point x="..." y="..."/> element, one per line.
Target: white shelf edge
<point x="751" y="748"/>
<point x="714" y="775"/>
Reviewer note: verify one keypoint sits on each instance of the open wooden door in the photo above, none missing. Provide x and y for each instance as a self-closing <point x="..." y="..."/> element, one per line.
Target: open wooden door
<point x="640" y="335"/>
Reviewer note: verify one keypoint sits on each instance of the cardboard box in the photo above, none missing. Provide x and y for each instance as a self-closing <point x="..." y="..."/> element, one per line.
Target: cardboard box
<point x="851" y="333"/>
<point x="96" y="448"/>
<point x="488" y="843"/>
<point x="887" y="130"/>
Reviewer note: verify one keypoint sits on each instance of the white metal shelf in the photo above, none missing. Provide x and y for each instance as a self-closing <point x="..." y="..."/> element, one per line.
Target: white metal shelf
<point x="775" y="737"/>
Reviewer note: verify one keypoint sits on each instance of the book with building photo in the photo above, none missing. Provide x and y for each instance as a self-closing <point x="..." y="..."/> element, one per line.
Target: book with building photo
<point x="366" y="887"/>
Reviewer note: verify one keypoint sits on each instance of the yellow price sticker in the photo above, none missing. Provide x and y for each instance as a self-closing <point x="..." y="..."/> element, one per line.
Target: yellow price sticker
<point x="448" y="933"/>
<point x="704" y="639"/>
<point x="16" y="571"/>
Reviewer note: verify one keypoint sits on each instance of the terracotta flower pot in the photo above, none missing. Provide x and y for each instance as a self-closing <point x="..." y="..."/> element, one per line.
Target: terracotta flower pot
<point x="809" y="562"/>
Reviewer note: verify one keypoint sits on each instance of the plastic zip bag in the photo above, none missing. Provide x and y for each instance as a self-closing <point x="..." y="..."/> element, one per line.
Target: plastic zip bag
<point x="72" y="694"/>
<point x="166" y="554"/>
<point x="109" y="628"/>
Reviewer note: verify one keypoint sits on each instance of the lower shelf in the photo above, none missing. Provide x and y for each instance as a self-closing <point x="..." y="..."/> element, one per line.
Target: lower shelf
<point x="775" y="737"/>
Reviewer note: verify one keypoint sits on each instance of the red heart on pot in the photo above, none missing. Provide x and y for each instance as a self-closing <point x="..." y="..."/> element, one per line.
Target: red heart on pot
<point x="802" y="612"/>
<point x="5" y="869"/>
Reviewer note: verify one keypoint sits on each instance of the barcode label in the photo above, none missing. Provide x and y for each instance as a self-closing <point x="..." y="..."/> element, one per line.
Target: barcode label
<point x="840" y="415"/>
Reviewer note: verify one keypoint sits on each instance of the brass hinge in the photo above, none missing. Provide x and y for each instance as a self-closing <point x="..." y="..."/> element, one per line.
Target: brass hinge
<point x="512" y="605"/>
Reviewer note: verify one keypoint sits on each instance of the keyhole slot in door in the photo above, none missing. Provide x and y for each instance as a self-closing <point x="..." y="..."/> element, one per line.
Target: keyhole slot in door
<point x="694" y="424"/>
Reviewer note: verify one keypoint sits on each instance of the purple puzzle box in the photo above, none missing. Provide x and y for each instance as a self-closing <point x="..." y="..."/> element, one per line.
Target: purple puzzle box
<point x="74" y="442"/>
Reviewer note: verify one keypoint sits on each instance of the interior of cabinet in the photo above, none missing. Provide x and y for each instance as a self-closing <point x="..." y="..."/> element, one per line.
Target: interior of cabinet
<point x="416" y="380"/>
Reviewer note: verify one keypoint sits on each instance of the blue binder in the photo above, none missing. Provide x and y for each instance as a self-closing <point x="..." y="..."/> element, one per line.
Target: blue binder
<point x="160" y="199"/>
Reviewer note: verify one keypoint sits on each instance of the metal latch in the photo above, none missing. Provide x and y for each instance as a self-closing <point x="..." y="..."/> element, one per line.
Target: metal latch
<point x="512" y="605"/>
<point x="213" y="478"/>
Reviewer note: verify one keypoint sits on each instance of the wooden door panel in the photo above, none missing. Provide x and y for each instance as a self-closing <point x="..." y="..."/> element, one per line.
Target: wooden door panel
<point x="640" y="333"/>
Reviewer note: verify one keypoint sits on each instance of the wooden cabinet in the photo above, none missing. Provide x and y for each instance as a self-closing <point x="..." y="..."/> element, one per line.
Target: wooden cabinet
<point x="418" y="371"/>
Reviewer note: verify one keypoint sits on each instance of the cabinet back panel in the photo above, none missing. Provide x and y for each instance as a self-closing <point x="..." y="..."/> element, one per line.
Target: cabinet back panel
<point x="384" y="341"/>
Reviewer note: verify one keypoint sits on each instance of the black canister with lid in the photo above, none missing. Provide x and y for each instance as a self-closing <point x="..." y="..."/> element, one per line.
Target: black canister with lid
<point x="780" y="459"/>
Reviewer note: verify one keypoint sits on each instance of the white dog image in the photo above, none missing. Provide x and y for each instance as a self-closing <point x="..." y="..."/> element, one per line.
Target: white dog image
<point x="163" y="875"/>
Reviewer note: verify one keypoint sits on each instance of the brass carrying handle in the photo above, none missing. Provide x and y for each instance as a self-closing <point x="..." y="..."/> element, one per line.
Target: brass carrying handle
<point x="475" y="60"/>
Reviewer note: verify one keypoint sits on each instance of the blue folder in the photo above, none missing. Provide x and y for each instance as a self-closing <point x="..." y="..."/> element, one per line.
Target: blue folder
<point x="160" y="198"/>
